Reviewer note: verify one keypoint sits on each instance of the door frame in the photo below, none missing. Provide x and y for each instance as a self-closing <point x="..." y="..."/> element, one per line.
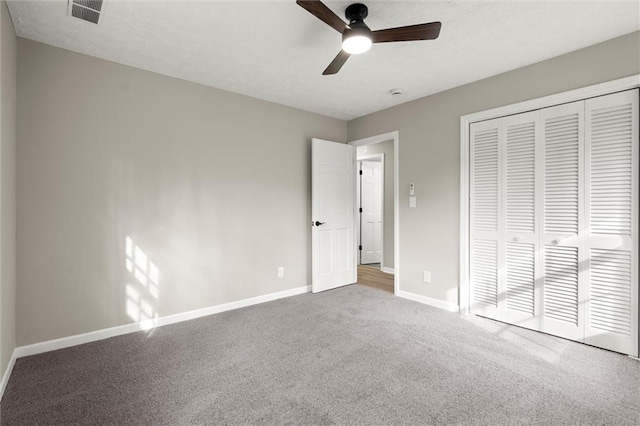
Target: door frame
<point x="395" y="137"/>
<point x="631" y="82"/>
<point x="368" y="157"/>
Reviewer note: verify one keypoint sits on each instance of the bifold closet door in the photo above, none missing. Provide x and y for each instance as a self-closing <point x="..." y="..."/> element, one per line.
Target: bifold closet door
<point x="554" y="220"/>
<point x="519" y="229"/>
<point x="611" y="222"/>
<point x="562" y="218"/>
<point x="486" y="217"/>
<point x="503" y="219"/>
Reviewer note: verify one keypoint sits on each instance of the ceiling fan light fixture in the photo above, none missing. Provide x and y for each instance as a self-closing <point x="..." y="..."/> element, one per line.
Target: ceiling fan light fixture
<point x="356" y="44"/>
<point x="356" y="39"/>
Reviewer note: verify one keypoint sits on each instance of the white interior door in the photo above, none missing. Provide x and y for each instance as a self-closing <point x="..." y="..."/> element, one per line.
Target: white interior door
<point x="371" y="181"/>
<point x="333" y="184"/>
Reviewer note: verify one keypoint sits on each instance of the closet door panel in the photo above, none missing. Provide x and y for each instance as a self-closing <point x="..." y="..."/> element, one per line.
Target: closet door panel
<point x="519" y="306"/>
<point x="611" y="195"/>
<point x="520" y="224"/>
<point x="486" y="217"/>
<point x="563" y="258"/>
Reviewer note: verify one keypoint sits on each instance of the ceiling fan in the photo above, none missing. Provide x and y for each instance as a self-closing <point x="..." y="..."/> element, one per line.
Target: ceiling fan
<point x="357" y="36"/>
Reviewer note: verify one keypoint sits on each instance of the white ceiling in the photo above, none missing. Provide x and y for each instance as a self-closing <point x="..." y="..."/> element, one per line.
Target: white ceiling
<point x="275" y="50"/>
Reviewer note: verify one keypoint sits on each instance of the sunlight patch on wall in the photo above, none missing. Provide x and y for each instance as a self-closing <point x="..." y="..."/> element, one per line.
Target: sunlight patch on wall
<point x="142" y="291"/>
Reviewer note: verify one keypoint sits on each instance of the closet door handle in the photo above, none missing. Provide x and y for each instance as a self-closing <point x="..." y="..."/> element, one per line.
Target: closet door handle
<point x="555" y="242"/>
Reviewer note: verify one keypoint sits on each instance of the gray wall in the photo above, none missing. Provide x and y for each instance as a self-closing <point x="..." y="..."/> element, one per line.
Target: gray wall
<point x="429" y="130"/>
<point x="385" y="148"/>
<point x="213" y="187"/>
<point x="7" y="188"/>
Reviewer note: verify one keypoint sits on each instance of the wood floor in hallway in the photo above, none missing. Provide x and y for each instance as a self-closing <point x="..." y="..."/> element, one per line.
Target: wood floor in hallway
<point x="373" y="277"/>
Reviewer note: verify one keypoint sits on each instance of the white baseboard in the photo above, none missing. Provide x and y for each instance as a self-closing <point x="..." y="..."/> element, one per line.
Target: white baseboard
<point x="450" y="307"/>
<point x="7" y="373"/>
<point x="79" y="339"/>
<point x="388" y="270"/>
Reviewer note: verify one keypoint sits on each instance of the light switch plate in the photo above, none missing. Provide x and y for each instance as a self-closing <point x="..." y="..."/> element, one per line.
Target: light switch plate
<point x="412" y="202"/>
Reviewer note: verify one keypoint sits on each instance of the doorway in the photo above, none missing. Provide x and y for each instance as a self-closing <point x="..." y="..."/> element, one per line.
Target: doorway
<point x="334" y="239"/>
<point x="376" y="213"/>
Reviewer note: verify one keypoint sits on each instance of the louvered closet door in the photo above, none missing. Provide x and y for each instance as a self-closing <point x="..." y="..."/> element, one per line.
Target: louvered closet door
<point x="612" y="205"/>
<point x="562" y="255"/>
<point x="520" y="220"/>
<point x="486" y="217"/>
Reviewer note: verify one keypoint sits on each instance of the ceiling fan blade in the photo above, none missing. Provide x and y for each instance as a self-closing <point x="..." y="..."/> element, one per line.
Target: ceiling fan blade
<point x="322" y="12"/>
<point x="428" y="31"/>
<point x="337" y="63"/>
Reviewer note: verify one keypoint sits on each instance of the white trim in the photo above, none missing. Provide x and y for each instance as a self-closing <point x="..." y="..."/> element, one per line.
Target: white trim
<point x="388" y="270"/>
<point x="436" y="303"/>
<point x="358" y="215"/>
<point x="601" y="89"/>
<point x="582" y="93"/>
<point x="395" y="137"/>
<point x="79" y="339"/>
<point x="370" y="157"/>
<point x="376" y="139"/>
<point x="463" y="287"/>
<point x="7" y="373"/>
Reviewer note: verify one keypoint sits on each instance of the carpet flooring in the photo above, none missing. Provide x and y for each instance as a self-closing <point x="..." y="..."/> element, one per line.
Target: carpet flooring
<point x="354" y="355"/>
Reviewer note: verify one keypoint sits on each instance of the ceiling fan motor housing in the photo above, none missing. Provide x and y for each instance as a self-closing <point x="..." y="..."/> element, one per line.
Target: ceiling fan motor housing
<point x="356" y="13"/>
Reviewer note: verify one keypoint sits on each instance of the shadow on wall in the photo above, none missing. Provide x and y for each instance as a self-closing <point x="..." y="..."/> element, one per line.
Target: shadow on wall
<point x="143" y="286"/>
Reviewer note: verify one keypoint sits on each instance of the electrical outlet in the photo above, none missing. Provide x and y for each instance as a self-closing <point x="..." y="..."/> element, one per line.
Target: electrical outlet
<point x="426" y="276"/>
<point x="280" y="271"/>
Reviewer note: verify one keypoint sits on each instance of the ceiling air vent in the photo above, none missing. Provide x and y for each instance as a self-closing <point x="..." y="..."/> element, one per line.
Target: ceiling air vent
<point x="88" y="10"/>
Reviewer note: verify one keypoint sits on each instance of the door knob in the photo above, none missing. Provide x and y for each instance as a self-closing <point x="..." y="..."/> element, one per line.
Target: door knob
<point x="555" y="242"/>
<point x="319" y="223"/>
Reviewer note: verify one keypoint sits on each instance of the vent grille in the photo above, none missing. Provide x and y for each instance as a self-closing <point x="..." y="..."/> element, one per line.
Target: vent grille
<point x="87" y="10"/>
<point x="91" y="4"/>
